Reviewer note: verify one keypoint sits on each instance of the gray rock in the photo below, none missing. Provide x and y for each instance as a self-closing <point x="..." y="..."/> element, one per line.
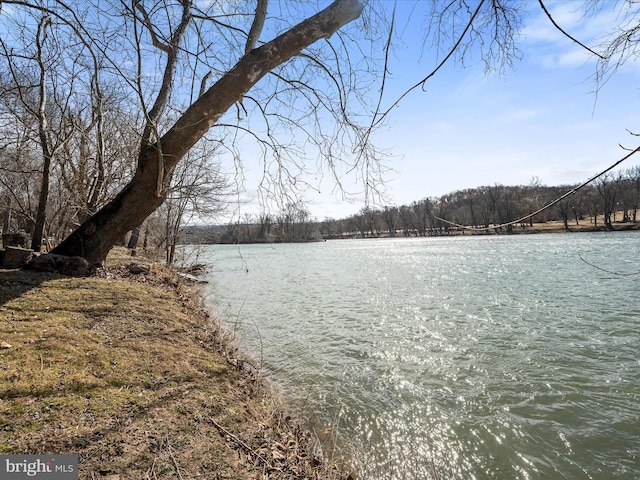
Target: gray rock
<point x="76" y="266"/>
<point x="43" y="263"/>
<point x="16" y="257"/>
<point x="73" y="266"/>
<point x="136" y="267"/>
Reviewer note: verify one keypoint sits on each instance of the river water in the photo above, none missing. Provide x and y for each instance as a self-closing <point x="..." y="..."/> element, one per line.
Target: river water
<point x="485" y="357"/>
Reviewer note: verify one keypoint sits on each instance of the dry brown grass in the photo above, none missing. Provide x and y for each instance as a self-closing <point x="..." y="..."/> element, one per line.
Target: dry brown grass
<point x="132" y="375"/>
<point x="583" y="226"/>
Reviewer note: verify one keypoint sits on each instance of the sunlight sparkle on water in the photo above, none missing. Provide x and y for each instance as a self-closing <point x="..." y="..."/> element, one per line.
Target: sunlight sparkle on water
<point x="499" y="357"/>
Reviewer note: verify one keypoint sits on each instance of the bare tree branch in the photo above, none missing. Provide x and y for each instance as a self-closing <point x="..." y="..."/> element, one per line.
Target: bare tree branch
<point x="378" y="117"/>
<point x="167" y="48"/>
<point x="162" y="99"/>
<point x="560" y="29"/>
<point x="257" y="25"/>
<point x="203" y="83"/>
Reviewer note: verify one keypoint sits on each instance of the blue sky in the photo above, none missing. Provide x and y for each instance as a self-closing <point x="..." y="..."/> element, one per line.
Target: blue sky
<point x="539" y="120"/>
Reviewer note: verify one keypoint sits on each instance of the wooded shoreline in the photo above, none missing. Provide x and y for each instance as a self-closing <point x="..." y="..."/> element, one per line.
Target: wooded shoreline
<point x="212" y="235"/>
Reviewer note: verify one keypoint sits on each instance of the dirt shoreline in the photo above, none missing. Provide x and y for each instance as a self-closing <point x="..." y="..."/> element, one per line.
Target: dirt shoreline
<point x="131" y="373"/>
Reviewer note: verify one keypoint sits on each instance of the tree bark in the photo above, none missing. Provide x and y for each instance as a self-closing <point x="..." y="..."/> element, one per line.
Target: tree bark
<point x="95" y="237"/>
<point x="43" y="198"/>
<point x="6" y="221"/>
<point x="257" y="25"/>
<point x="47" y="153"/>
<point x="135" y="237"/>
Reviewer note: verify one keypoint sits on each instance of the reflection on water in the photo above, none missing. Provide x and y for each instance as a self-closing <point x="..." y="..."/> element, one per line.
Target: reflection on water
<point x="460" y="358"/>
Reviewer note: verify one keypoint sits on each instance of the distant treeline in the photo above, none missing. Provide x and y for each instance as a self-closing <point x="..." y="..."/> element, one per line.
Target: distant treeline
<point x="612" y="198"/>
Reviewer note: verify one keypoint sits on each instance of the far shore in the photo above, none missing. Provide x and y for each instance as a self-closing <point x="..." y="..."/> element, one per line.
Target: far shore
<point x="451" y="231"/>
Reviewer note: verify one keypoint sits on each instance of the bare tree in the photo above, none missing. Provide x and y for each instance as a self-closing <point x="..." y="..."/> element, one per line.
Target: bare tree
<point x="607" y="192"/>
<point x="19" y="171"/>
<point x="197" y="193"/>
<point x="389" y="216"/>
<point x="407" y="219"/>
<point x="98" y="160"/>
<point x="294" y="223"/>
<point x="41" y="98"/>
<point x="161" y="148"/>
<point x="187" y="68"/>
<point x="633" y="174"/>
<point x="265" y="222"/>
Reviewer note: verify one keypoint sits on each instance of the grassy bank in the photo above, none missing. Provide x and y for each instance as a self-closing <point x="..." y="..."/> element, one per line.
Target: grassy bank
<point x="131" y="374"/>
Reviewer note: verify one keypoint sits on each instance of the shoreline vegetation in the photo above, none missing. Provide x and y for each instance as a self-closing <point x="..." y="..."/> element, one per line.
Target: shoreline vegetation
<point x="225" y="235"/>
<point x="132" y="374"/>
<point x="610" y="203"/>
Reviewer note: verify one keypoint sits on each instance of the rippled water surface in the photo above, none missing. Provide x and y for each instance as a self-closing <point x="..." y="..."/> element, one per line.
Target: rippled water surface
<point x="501" y="357"/>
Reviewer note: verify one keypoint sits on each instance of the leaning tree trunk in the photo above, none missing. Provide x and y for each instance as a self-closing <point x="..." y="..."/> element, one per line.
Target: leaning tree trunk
<point x="95" y="237"/>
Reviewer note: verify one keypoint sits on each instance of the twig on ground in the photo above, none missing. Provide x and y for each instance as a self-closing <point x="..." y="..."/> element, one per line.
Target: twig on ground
<point x="175" y="462"/>
<point x="246" y="447"/>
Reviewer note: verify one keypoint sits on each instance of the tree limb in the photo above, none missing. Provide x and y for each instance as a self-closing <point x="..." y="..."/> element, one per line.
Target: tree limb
<point x="257" y="25"/>
<point x="377" y="118"/>
<point x="169" y="73"/>
<point x="573" y="39"/>
<point x="621" y="274"/>
<point x="149" y="24"/>
<point x="254" y="65"/>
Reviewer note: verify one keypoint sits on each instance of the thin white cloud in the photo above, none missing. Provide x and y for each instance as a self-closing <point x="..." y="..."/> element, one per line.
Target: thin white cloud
<point x="519" y="115"/>
<point x="574" y="58"/>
